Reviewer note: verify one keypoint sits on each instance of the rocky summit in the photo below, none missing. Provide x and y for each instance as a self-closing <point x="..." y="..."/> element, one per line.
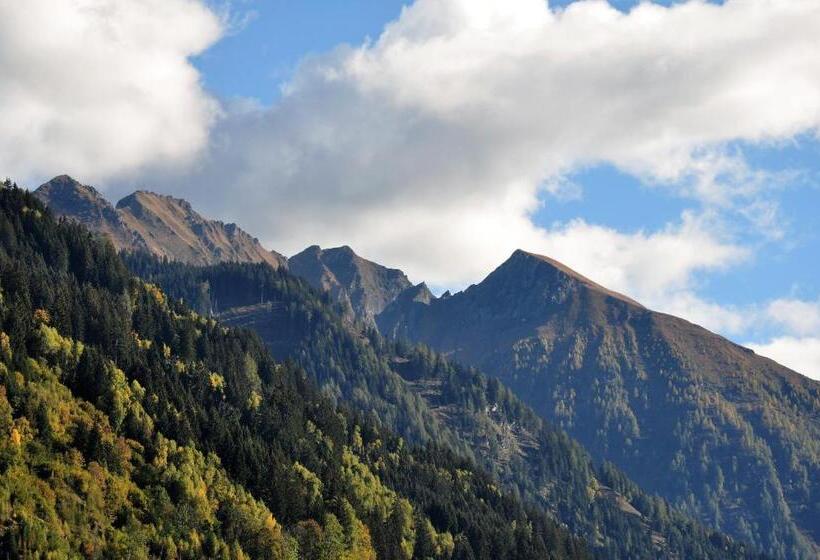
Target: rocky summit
<point x="365" y="288"/>
<point x="163" y="225"/>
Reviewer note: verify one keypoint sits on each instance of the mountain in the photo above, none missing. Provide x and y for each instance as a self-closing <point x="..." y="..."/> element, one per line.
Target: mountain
<point x="428" y="400"/>
<point x="431" y="402"/>
<point x="67" y="197"/>
<point x="163" y="225"/>
<point x="730" y="437"/>
<point x="130" y="426"/>
<point x="362" y="285"/>
<point x="170" y="228"/>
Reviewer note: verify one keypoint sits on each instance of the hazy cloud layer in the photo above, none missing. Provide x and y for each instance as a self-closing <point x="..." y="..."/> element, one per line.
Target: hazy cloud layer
<point x="99" y="87"/>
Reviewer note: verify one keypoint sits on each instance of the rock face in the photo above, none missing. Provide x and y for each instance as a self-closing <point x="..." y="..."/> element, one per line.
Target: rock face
<point x="362" y="286"/>
<point x="163" y="225"/>
<point x="171" y="228"/>
<point x="67" y="197"/>
<point x="727" y="435"/>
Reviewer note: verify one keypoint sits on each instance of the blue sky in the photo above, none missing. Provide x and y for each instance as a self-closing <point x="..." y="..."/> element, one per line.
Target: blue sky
<point x="790" y="266"/>
<point x="273" y="36"/>
<point x="667" y="150"/>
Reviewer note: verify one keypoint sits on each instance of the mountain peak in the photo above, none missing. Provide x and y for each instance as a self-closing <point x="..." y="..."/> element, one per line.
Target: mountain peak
<point x="341" y="253"/>
<point x="344" y="250"/>
<point x="521" y="258"/>
<point x="172" y="228"/>
<point x="157" y="223"/>
<point x="419" y="293"/>
<point x="141" y="200"/>
<point x="367" y="286"/>
<point x="65" y="196"/>
<point x="64" y="190"/>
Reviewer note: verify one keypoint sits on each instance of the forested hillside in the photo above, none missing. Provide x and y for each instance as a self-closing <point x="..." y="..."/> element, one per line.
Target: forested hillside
<point x="130" y="425"/>
<point x="428" y="399"/>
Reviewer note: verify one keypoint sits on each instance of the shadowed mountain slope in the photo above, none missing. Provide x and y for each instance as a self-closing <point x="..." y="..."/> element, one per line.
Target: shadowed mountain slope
<point x="731" y="437"/>
<point x="427" y="400"/>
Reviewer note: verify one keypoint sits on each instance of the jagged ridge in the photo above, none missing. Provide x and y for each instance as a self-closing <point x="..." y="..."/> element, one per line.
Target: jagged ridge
<point x="165" y="226"/>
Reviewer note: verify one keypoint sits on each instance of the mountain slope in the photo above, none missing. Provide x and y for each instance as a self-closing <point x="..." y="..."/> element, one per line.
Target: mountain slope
<point x="427" y="399"/>
<point x="731" y="437"/>
<point x="129" y="425"/>
<point x="165" y="226"/>
<point x="67" y="197"/>
<point x="430" y="401"/>
<point x="366" y="287"/>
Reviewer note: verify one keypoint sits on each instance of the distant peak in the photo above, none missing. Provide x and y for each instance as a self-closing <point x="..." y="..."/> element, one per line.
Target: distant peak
<point x="63" y="179"/>
<point x="130" y="200"/>
<point x="521" y="256"/>
<point x="314" y="251"/>
<point x="343" y="252"/>
<point x="65" y="184"/>
<point x="67" y="196"/>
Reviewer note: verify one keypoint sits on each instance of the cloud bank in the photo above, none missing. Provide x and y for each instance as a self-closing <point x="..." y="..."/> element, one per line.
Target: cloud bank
<point x="433" y="147"/>
<point x="444" y="133"/>
<point x="100" y="87"/>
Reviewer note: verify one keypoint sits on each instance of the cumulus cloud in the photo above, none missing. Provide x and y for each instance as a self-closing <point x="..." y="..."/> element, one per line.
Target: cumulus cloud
<point x="797" y="316"/>
<point x="798" y="344"/>
<point x="99" y="87"/>
<point x="802" y="354"/>
<point x="430" y="147"/>
<point x="640" y="263"/>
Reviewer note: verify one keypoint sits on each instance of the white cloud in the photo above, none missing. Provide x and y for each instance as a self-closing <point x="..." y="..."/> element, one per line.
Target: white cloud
<point x="659" y="269"/>
<point x="430" y="147"/>
<point x="799" y="317"/>
<point x="798" y="345"/>
<point x="725" y="319"/>
<point x="98" y="87"/>
<point x="800" y="354"/>
<point x="649" y="266"/>
<point x="778" y="322"/>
